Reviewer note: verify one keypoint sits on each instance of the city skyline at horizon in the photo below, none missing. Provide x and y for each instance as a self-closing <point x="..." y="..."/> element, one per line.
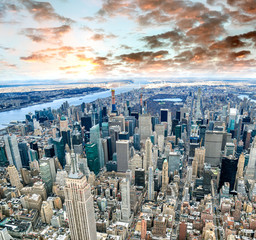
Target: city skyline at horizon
<point x="47" y="40"/>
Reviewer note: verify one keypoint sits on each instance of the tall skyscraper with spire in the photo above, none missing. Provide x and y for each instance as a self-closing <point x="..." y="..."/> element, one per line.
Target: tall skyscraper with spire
<point x="79" y="204"/>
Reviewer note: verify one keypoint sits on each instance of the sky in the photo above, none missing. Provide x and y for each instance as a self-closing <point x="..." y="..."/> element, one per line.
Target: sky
<point x="121" y="39"/>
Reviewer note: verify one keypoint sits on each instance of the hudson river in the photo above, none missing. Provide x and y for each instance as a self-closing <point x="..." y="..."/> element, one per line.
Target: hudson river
<point x="19" y="114"/>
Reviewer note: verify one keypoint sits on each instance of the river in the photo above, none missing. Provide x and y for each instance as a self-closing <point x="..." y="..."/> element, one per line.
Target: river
<point x="19" y="114"/>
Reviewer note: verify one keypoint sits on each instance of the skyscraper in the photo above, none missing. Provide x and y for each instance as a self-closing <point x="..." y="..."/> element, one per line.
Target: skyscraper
<point x="12" y="151"/>
<point x="228" y="171"/>
<point x="250" y="170"/>
<point x="145" y="126"/>
<point x="105" y="130"/>
<point x="86" y="122"/>
<point x="198" y="113"/>
<point x="59" y="149"/>
<point x="202" y="130"/>
<point x="3" y="158"/>
<point x="148" y="155"/>
<point x="110" y="152"/>
<point x="122" y="151"/>
<point x="143" y="229"/>
<point x="105" y="150"/>
<point x="165" y="178"/>
<point x="200" y="157"/>
<point x="173" y="161"/>
<point x="139" y="177"/>
<point x="194" y="167"/>
<point x="14" y="177"/>
<point x="33" y="155"/>
<point x="164" y="115"/>
<point x="79" y="205"/>
<point x="46" y="212"/>
<point x="114" y="134"/>
<point x="49" y="151"/>
<point x="240" y="166"/>
<point x="136" y="141"/>
<point x="51" y="163"/>
<point x="182" y="230"/>
<point x="23" y="149"/>
<point x="213" y="144"/>
<point x="63" y="123"/>
<point x="229" y="149"/>
<point x="66" y="137"/>
<point x="95" y="134"/>
<point x="113" y="101"/>
<point x="45" y="171"/>
<point x="150" y="184"/>
<point x="96" y="139"/>
<point x="92" y="157"/>
<point x="125" y="204"/>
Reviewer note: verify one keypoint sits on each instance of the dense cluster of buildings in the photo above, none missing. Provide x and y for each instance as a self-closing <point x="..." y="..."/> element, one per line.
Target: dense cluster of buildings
<point x="115" y="169"/>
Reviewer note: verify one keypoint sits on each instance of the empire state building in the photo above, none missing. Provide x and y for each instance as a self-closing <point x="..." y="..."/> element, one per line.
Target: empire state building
<point x="79" y="205"/>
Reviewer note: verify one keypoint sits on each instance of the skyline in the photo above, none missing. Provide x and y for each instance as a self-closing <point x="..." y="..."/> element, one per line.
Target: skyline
<point x="126" y="39"/>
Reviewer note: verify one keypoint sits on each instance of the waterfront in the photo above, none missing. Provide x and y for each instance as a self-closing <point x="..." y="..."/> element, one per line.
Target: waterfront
<point x="19" y="114"/>
<point x="168" y="100"/>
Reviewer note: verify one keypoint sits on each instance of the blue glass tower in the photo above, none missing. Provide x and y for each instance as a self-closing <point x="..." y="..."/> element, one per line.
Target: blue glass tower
<point x="96" y="139"/>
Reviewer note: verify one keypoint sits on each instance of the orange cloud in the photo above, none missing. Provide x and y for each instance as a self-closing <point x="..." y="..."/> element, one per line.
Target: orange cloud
<point x="141" y="56"/>
<point x="6" y="64"/>
<point x="46" y="34"/>
<point x="99" y="36"/>
<point x="70" y="67"/>
<point x="44" y="11"/>
<point x="36" y="58"/>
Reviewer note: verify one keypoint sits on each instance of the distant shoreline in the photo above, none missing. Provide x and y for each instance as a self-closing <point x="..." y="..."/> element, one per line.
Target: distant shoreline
<point x="48" y="100"/>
